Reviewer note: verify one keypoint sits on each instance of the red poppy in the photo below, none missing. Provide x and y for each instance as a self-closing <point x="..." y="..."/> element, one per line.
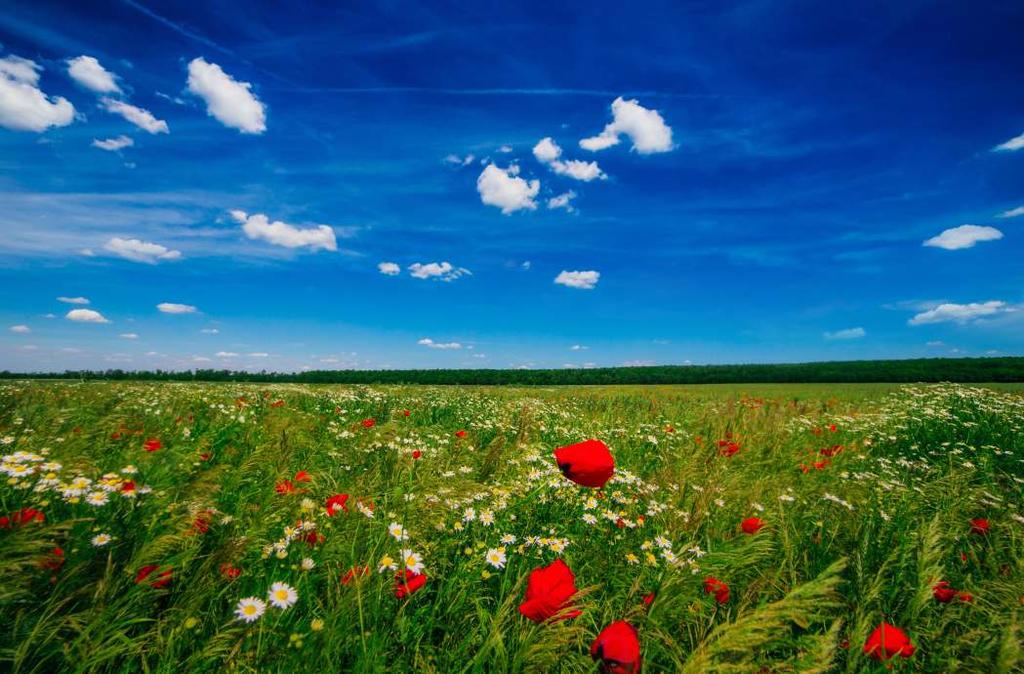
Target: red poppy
<point x="406" y="413"/>
<point x="728" y="448"/>
<point x="416" y="454"/>
<point x="648" y="599"/>
<point x="832" y="427"/>
<point x="277" y="403"/>
<point x="313" y="539"/>
<point x="336" y="503"/>
<point x="302" y="476"/>
<point x="617" y="648"/>
<point x="830" y="451"/>
<point x="820" y="465"/>
<point x="943" y="593"/>
<point x="549" y="590"/>
<point x="25" y="516"/>
<point x="53" y="560"/>
<point x="587" y="463"/>
<point x="979" y="526"/>
<point x="355" y="573"/>
<point x="230" y="572"/>
<point x="115" y="436"/>
<point x="751" y="525"/>
<point x="284" y="487"/>
<point x="407" y="582"/>
<point x="369" y="423"/>
<point x="201" y="523"/>
<point x="460" y="434"/>
<point x="128" y="487"/>
<point x="162" y="579"/>
<point x="887" y="641"/>
<point x="965" y="597"/>
<point x="152" y="445"/>
<point x="720" y="589"/>
<point x="205" y="456"/>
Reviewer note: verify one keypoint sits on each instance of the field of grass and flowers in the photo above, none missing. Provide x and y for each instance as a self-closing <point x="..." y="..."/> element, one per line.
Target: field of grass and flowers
<point x="289" y="528"/>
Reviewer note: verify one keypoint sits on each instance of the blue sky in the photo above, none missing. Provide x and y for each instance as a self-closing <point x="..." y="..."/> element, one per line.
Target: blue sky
<point x="759" y="182"/>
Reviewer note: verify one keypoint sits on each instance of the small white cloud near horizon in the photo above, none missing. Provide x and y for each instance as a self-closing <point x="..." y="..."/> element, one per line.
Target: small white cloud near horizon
<point x="137" y="250"/>
<point x="1012" y="145"/>
<point x="228" y="100"/>
<point x="964" y="236"/>
<point x="210" y="331"/>
<point x="429" y="343"/>
<point x="1012" y="213"/>
<point x="504" y="189"/>
<point x="563" y="201"/>
<point x="441" y="271"/>
<point x="644" y="127"/>
<point x="584" y="280"/>
<point x="88" y="72"/>
<point x="140" y="117"/>
<point x="73" y="300"/>
<point x="175" y="308"/>
<point x="113" y="144"/>
<point x="960" y="313"/>
<point x="845" y="334"/>
<point x="20" y="329"/>
<point x="129" y="335"/>
<point x="23" y="105"/>
<point x="226" y="354"/>
<point x="547" y="152"/>
<point x="578" y="347"/>
<point x="389" y="268"/>
<point x="85" y="316"/>
<point x="258" y="226"/>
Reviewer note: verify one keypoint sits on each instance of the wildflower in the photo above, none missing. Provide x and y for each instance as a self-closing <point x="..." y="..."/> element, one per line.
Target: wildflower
<point x="412" y="561"/>
<point x="617" y="649"/>
<point x="714" y="586"/>
<point x="887" y="641"/>
<point x="22" y="517"/>
<point x="408" y="582"/>
<point x="303" y="476"/>
<point x="728" y="448"/>
<point x="398" y="531"/>
<point x="369" y="423"/>
<point x="282" y="595"/>
<point x="508" y="539"/>
<point x="284" y="487"/>
<point x="751" y="525"/>
<point x="250" y="609"/>
<point x="386" y="564"/>
<point x="277" y="403"/>
<point x="99" y="540"/>
<point x="307" y="564"/>
<point x="460" y="434"/>
<point x="648" y="599"/>
<point x="979" y="526"/>
<point x="496" y="557"/>
<point x="152" y="445"/>
<point x="316" y="625"/>
<point x="162" y="579"/>
<point x="53" y="560"/>
<point x="97" y="498"/>
<point x="355" y="573"/>
<point x="549" y="591"/>
<point x="487" y="518"/>
<point x="230" y="572"/>
<point x="336" y="503"/>
<point x="943" y="593"/>
<point x="589" y="463"/>
<point x="416" y="454"/>
<point x="632" y="558"/>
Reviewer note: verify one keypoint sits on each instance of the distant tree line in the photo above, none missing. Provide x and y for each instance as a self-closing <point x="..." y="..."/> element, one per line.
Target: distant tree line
<point x="859" y="371"/>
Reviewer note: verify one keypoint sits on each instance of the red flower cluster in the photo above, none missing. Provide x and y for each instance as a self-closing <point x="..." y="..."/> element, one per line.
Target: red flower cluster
<point x="152" y="445"/>
<point x="888" y="641"/>
<point x="944" y="594"/>
<point x="549" y="591"/>
<point x="277" y="403"/>
<point x="335" y="503"/>
<point x="728" y="448"/>
<point x="407" y="582"/>
<point x="53" y="560"/>
<point x="588" y="463"/>
<point x="162" y="579"/>
<point x="230" y="572"/>
<point x="714" y="586"/>
<point x="22" y="517"/>
<point x="617" y="649"/>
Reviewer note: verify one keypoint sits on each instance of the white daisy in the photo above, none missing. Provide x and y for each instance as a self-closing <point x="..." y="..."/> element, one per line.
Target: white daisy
<point x="250" y="609"/>
<point x="308" y="564"/>
<point x="97" y="498"/>
<point x="99" y="540"/>
<point x="496" y="557"/>
<point x="282" y="595"/>
<point x="398" y="531"/>
<point x="413" y="561"/>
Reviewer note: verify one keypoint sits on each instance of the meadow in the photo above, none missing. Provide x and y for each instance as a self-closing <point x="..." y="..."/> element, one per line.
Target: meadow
<point x="187" y="527"/>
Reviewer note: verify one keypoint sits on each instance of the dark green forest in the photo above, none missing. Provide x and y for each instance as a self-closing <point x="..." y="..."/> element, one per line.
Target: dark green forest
<point x="858" y="371"/>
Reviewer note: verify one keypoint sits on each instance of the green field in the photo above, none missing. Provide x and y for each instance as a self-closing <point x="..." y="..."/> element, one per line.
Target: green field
<point x="866" y="523"/>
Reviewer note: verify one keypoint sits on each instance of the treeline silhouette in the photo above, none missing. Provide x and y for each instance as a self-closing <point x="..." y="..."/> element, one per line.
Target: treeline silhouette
<point x="1010" y="369"/>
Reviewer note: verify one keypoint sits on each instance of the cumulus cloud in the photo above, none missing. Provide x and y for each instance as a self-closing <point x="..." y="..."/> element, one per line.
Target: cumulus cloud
<point x="960" y="313"/>
<point x="73" y="300"/>
<point x="563" y="201"/>
<point x="1012" y="145"/>
<point x="174" y="308"/>
<point x="23" y="106"/>
<point x="645" y="128"/>
<point x="584" y="280"/>
<point x="137" y="250"/>
<point x="964" y="236"/>
<point x="20" y="329"/>
<point x="228" y="101"/>
<point x="129" y="335"/>
<point x="427" y="342"/>
<point x="113" y="144"/>
<point x="443" y="271"/>
<point x="259" y="226"/>
<point x="1012" y="213"/>
<point x="140" y="117"/>
<point x="848" y="333"/>
<point x="548" y="152"/>
<point x="88" y="72"/>
<point x="85" y="316"/>
<point x="456" y="160"/>
<point x="389" y="269"/>
<point x="506" y="190"/>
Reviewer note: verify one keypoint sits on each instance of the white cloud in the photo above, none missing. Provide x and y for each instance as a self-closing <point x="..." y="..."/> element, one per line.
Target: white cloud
<point x="1012" y="213"/>
<point x="964" y="236"/>
<point x="506" y="190"/>
<point x="443" y="271"/>
<point x="23" y="106"/>
<point x="959" y="313"/>
<point x="548" y="152"/>
<point x="200" y="359"/>
<point x="645" y="128"/>
<point x="258" y="226"/>
<point x="505" y="149"/>
<point x="1012" y="145"/>
<point x="73" y="300"/>
<point x="584" y="280"/>
<point x="140" y="117"/>
<point x="563" y="201"/>
<point x="848" y="333"/>
<point x="210" y="331"/>
<point x="227" y="100"/>
<point x="141" y="251"/>
<point x="20" y="329"/>
<point x="389" y="269"/>
<point x="226" y="354"/>
<point x="86" y="316"/>
<point x="88" y="72"/>
<point x="426" y="341"/>
<point x="456" y="160"/>
<point x="113" y="144"/>
<point x="129" y="335"/>
<point x="578" y="347"/>
<point x="174" y="308"/>
<point x="258" y="354"/>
